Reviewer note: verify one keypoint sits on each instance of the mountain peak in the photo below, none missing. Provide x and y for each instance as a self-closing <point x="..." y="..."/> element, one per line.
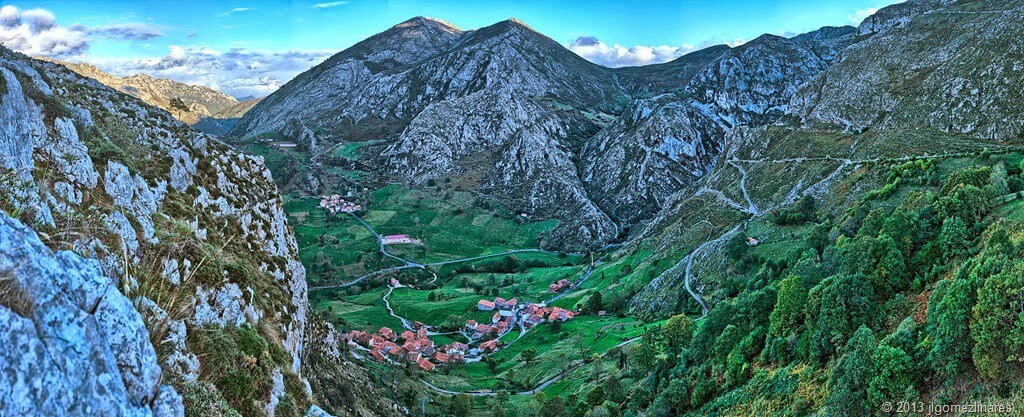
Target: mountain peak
<point x="427" y="21"/>
<point x="512" y="23"/>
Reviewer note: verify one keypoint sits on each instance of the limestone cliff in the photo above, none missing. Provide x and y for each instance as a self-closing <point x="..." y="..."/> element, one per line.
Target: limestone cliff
<point x="152" y="270"/>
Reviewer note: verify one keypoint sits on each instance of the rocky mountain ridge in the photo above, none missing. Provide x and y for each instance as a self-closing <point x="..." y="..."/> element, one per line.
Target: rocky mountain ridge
<point x="186" y="102"/>
<point x="160" y="254"/>
<point x="509" y="95"/>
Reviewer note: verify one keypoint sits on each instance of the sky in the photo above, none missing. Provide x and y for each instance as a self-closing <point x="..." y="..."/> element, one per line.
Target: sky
<point x="252" y="48"/>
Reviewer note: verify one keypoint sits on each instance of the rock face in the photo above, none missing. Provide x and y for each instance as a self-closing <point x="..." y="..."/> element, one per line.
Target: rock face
<point x="534" y="125"/>
<point x="634" y="165"/>
<point x="297" y="132"/>
<point x="911" y="70"/>
<point x="178" y="232"/>
<point x="186" y="102"/>
<point x="449" y="99"/>
<point x="73" y="344"/>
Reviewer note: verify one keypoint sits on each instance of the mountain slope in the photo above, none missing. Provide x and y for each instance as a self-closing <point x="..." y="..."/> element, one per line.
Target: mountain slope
<point x="961" y="81"/>
<point x="186" y="102"/>
<point x="186" y="235"/>
<point x="662" y="144"/>
<point x="454" y="95"/>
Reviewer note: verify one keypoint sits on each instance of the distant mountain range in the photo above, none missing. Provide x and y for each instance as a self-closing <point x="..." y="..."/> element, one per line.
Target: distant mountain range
<point x="203" y="107"/>
<point x="599" y="149"/>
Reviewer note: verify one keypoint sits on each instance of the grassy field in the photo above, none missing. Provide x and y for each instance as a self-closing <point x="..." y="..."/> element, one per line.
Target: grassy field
<point x="338" y="248"/>
<point x="584" y="335"/>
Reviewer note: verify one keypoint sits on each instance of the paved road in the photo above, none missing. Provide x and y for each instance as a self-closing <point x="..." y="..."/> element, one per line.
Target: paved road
<point x="380" y="242"/>
<point x="752" y="208"/>
<point x="410" y="264"/>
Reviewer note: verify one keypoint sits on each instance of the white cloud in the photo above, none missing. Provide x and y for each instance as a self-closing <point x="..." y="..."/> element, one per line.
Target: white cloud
<point x="239" y="72"/>
<point x="593" y="50"/>
<point x="122" y="31"/>
<point x="237" y="10"/>
<point x="859" y="15"/>
<point x="330" y="4"/>
<point x="36" y="32"/>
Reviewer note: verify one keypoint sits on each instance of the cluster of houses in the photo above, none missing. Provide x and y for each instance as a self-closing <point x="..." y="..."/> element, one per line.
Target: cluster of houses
<point x="335" y="204"/>
<point x="560" y="285"/>
<point x="508" y="315"/>
<point x="534" y="314"/>
<point x="415" y="348"/>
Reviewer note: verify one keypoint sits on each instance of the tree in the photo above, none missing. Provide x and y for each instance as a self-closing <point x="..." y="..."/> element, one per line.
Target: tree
<point x="178" y="103"/>
<point x="788" y="314"/>
<point x="613" y="389"/>
<point x="555" y="326"/>
<point x="893" y="378"/>
<point x="678" y="331"/>
<point x="598" y="411"/>
<point x="848" y="385"/>
<point x="540" y="397"/>
<point x="462" y="405"/>
<point x="502" y="398"/>
<point x="596" y="396"/>
<point x="997" y="325"/>
<point x="678" y="395"/>
<point x="595" y="303"/>
<point x="554" y="407"/>
<point x="949" y="317"/>
<point x="528" y="355"/>
<point x="644" y="355"/>
<point x="953" y="239"/>
<point x="726" y="341"/>
<point x="598" y="368"/>
<point x="807" y="207"/>
<point x="431" y="296"/>
<point x="844" y="302"/>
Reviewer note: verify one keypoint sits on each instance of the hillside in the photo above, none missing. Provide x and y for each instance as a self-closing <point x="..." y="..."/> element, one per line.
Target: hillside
<point x="188" y="103"/>
<point x="817" y="225"/>
<point x="509" y="113"/>
<point x="886" y="219"/>
<point x="133" y="250"/>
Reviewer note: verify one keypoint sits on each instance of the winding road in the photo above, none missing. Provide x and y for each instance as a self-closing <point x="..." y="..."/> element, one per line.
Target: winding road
<point x="410" y="264"/>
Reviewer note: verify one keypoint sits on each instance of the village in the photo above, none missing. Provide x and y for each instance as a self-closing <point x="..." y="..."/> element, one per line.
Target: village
<point x="335" y="204"/>
<point x="415" y="347"/>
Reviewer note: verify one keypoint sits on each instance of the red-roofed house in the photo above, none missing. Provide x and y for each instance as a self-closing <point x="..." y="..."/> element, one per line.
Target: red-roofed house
<point x="484" y="305"/>
<point x="388" y="333"/>
<point x="425" y="364"/>
<point x="489" y="346"/>
<point x="441" y="357"/>
<point x="559" y="286"/>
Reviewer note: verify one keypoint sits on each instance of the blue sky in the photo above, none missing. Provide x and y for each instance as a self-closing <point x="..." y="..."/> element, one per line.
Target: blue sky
<point x="124" y="36"/>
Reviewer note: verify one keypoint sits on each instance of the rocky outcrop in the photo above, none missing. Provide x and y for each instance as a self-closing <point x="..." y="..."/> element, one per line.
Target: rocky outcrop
<point x="633" y="166"/>
<point x="178" y="233"/>
<point x="297" y="132"/>
<point x="73" y="344"/>
<point x="661" y="144"/>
